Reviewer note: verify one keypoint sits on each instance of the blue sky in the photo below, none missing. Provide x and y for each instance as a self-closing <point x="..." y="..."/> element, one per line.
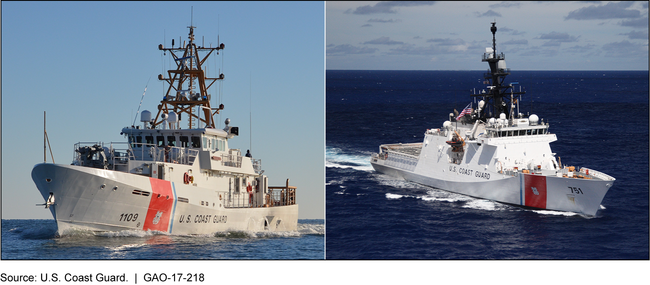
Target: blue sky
<point x="439" y="35"/>
<point x="87" y="64"/>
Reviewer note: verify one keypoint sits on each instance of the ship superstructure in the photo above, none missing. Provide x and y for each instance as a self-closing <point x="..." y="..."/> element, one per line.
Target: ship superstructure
<point x="169" y="177"/>
<point x="497" y="153"/>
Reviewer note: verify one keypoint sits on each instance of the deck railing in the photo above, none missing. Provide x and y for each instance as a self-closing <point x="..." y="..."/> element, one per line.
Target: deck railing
<point x="274" y="197"/>
<point x="118" y="154"/>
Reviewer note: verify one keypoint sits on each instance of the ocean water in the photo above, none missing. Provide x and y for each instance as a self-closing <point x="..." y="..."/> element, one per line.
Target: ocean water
<point x="36" y="239"/>
<point x="601" y="122"/>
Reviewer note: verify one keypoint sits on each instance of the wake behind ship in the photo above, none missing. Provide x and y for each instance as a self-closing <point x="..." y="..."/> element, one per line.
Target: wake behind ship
<point x="497" y="153"/>
<point x="167" y="178"/>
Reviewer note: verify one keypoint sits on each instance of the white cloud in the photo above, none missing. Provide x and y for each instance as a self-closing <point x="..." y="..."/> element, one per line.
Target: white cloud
<point x="611" y="10"/>
<point x="387" y="7"/>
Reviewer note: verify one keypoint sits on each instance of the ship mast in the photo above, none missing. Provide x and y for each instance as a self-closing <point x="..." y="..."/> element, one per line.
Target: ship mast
<point x="498" y="97"/>
<point x="182" y="96"/>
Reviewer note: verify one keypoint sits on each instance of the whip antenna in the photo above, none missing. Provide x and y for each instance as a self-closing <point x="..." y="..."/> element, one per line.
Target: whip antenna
<point x="145" y="92"/>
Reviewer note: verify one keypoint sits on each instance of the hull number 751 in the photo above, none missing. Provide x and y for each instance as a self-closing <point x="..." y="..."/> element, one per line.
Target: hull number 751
<point x="575" y="190"/>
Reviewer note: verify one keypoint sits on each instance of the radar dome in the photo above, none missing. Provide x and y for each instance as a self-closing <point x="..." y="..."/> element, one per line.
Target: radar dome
<point x="501" y="64"/>
<point x="502" y="116"/>
<point x="145" y="116"/>
<point x="446" y="125"/>
<point x="173" y="117"/>
<point x="533" y="119"/>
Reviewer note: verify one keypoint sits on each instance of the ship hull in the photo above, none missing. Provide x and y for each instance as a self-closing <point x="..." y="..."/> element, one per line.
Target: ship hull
<point x="105" y="200"/>
<point x="529" y="190"/>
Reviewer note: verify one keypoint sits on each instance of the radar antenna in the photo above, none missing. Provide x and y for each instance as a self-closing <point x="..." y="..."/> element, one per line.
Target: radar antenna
<point x="182" y="95"/>
<point x="498" y="98"/>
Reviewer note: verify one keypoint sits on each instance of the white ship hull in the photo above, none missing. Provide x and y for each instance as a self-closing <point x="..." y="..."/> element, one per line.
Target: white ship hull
<point x="106" y="200"/>
<point x="483" y="175"/>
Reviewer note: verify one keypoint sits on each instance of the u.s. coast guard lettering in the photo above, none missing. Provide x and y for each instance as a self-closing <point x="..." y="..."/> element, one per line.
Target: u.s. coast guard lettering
<point x="203" y="219"/>
<point x="470" y="172"/>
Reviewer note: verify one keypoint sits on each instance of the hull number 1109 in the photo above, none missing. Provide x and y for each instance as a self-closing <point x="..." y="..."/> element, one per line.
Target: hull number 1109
<point x="128" y="217"/>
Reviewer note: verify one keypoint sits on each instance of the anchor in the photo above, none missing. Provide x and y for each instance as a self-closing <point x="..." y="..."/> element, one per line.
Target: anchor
<point x="49" y="202"/>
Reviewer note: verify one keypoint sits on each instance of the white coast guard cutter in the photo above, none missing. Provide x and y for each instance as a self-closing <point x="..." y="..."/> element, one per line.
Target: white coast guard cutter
<point x="166" y="178"/>
<point x="506" y="158"/>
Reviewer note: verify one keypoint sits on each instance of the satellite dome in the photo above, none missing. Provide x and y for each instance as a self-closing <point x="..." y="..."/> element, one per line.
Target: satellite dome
<point x="173" y="117"/>
<point x="145" y="116"/>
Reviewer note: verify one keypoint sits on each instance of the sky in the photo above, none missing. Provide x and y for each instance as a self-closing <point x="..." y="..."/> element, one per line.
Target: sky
<point x="438" y="35"/>
<point x="87" y="64"/>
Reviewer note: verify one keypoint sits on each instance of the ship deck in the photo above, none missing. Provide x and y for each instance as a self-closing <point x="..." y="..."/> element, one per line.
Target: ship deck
<point x="410" y="149"/>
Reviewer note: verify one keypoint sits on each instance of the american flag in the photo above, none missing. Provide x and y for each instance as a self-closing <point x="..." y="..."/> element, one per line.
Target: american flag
<point x="467" y="110"/>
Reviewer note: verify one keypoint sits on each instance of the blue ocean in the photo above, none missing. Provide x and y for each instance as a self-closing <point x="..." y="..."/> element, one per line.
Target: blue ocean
<point x="601" y="122"/>
<point x="36" y="239"/>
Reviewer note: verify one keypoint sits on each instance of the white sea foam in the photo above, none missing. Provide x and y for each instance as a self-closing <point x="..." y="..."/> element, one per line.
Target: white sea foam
<point x="484" y="205"/>
<point x="554" y="213"/>
<point x="393" y="196"/>
<point x="395" y="182"/>
<point x="130" y="233"/>
<point x="311" y="229"/>
<point x="335" y="157"/>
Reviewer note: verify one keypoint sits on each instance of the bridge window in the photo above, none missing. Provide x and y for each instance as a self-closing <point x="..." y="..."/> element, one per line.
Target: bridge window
<point x="149" y="140"/>
<point x="184" y="141"/>
<point x="196" y="142"/>
<point x="171" y="140"/>
<point x="160" y="140"/>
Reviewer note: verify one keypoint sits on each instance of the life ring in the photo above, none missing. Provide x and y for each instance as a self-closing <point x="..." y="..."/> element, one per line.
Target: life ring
<point x="186" y="178"/>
